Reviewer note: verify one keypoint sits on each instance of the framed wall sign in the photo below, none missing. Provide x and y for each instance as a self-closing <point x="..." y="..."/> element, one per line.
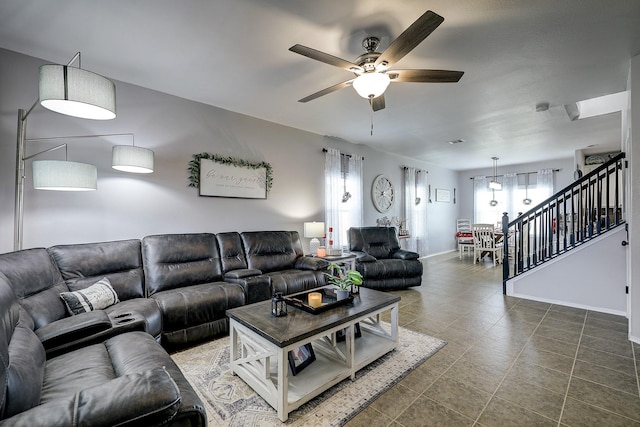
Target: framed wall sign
<point x="443" y="195"/>
<point x="222" y="176"/>
<point x="228" y="180"/>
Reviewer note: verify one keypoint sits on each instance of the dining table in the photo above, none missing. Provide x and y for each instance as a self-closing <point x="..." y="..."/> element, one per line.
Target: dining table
<point x="498" y="235"/>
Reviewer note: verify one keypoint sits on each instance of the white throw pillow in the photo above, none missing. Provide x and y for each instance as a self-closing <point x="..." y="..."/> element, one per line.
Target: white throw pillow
<point x="96" y="297"/>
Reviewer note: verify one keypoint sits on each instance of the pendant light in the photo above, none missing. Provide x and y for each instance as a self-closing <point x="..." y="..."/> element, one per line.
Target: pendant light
<point x="493" y="202"/>
<point x="527" y="200"/>
<point x="494" y="184"/>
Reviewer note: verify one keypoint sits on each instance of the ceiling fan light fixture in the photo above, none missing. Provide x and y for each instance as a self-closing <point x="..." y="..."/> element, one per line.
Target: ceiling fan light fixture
<point x="371" y="85"/>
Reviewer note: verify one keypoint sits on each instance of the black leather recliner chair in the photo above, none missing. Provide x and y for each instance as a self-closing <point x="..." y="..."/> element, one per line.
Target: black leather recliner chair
<point x="381" y="261"/>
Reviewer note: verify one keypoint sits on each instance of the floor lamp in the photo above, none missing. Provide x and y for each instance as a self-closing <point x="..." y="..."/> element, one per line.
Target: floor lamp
<point x="74" y="92"/>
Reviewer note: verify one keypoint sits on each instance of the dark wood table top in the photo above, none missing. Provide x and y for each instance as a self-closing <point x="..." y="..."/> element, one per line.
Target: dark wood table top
<point x="298" y="324"/>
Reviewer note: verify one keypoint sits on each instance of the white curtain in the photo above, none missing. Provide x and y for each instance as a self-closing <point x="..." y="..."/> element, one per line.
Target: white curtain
<point x="510" y="189"/>
<point x="420" y="222"/>
<point x="544" y="184"/>
<point x="481" y="198"/>
<point x="354" y="206"/>
<point x="410" y="206"/>
<point x="343" y="195"/>
<point x="332" y="192"/>
<point x="415" y="209"/>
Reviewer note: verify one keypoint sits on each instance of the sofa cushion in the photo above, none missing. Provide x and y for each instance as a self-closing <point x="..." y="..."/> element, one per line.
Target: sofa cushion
<point x="179" y="260"/>
<point x="292" y="281"/>
<point x="194" y="306"/>
<point x="231" y="251"/>
<point x="22" y="357"/>
<point x="119" y="261"/>
<point x="96" y="297"/>
<point x="379" y="242"/>
<point x="37" y="283"/>
<point x="390" y="268"/>
<point x="271" y="250"/>
<point x="26" y="370"/>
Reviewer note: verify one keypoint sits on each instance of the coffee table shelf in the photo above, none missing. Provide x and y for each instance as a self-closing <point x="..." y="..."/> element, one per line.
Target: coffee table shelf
<point x="260" y="345"/>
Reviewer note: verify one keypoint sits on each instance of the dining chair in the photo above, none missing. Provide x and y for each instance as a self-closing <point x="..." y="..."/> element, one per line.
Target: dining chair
<point x="486" y="241"/>
<point x="464" y="235"/>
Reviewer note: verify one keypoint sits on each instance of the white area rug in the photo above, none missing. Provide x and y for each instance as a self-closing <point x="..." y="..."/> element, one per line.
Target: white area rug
<point x="230" y="402"/>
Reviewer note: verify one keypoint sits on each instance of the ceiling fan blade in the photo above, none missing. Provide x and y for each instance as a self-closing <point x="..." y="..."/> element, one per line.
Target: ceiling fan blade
<point x="377" y="103"/>
<point x="327" y="91"/>
<point x="326" y="58"/>
<point x="425" y="76"/>
<point x="410" y="38"/>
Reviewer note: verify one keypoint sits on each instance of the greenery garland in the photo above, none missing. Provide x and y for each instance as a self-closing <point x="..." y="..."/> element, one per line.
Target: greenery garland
<point x="194" y="167"/>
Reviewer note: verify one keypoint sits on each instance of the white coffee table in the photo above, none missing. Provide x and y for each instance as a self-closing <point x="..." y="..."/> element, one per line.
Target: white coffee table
<point x="260" y="344"/>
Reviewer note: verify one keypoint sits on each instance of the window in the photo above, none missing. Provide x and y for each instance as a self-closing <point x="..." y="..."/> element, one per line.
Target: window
<point x="343" y="195"/>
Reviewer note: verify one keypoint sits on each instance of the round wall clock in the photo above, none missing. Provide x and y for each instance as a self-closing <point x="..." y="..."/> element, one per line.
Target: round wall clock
<point x="382" y="193"/>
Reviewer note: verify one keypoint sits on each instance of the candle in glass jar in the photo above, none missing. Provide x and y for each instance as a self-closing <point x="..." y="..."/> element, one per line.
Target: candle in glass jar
<point x="315" y="299"/>
<point x="321" y="252"/>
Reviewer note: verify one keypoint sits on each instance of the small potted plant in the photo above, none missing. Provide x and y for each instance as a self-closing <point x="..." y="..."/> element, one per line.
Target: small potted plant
<point x="343" y="280"/>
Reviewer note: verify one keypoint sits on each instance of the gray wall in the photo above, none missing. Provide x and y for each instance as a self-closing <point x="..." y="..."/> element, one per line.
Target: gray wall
<point x="132" y="206"/>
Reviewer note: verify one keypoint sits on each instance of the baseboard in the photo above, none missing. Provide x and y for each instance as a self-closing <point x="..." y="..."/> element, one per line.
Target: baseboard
<point x="439" y="253"/>
<point x="568" y="304"/>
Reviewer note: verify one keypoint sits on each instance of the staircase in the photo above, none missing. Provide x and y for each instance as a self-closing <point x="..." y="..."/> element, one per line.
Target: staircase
<point x="575" y="215"/>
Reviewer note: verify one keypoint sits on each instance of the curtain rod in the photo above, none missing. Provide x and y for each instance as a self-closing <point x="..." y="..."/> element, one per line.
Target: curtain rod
<point x="417" y="170"/>
<point x="521" y="173"/>
<point x="324" y="150"/>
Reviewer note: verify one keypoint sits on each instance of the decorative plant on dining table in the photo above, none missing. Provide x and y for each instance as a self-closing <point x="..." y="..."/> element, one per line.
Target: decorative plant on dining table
<point x="341" y="278"/>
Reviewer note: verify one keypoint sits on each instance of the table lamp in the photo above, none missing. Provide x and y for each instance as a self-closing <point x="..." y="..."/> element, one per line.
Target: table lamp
<point x="314" y="230"/>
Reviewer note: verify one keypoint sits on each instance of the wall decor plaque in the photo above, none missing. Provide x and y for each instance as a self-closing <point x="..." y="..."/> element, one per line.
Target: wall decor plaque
<point x="443" y="195"/>
<point x="228" y="177"/>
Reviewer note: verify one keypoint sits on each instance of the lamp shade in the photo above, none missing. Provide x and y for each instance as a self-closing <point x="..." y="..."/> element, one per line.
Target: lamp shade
<point x="314" y="229"/>
<point x="61" y="175"/>
<point x="77" y="92"/>
<point x="371" y="85"/>
<point x="129" y="158"/>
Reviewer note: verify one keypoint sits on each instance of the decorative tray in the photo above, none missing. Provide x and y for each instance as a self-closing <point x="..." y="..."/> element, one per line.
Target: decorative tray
<point x="329" y="300"/>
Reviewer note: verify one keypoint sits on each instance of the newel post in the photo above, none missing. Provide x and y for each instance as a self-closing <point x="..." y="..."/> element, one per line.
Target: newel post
<point x="505" y="254"/>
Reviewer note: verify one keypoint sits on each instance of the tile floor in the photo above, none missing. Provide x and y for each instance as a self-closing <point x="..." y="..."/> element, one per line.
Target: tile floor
<point x="508" y="361"/>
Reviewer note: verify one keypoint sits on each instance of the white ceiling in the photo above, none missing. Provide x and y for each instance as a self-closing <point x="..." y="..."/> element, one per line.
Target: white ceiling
<point x="234" y="54"/>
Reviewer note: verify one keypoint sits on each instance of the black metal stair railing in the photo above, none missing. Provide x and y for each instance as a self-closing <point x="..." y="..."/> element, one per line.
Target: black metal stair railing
<point x="590" y="206"/>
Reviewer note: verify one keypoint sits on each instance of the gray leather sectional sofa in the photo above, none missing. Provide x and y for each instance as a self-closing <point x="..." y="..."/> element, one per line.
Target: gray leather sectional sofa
<point x="96" y="368"/>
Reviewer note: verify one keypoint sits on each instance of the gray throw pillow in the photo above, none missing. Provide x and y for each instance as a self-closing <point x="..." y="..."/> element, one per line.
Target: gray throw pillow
<point x="96" y="297"/>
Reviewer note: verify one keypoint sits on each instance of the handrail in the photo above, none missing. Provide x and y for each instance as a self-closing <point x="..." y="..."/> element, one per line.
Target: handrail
<point x="579" y="212"/>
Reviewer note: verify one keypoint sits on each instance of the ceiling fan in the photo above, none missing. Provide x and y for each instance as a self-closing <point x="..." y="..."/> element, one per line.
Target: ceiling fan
<point x="372" y="69"/>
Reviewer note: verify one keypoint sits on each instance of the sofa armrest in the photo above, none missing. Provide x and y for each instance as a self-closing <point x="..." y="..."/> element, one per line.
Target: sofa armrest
<point x="363" y="256"/>
<point x="404" y="254"/>
<point x="311" y="263"/>
<point x="242" y="273"/>
<point x="147" y="398"/>
<point x="73" y="328"/>
<point x="255" y="288"/>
